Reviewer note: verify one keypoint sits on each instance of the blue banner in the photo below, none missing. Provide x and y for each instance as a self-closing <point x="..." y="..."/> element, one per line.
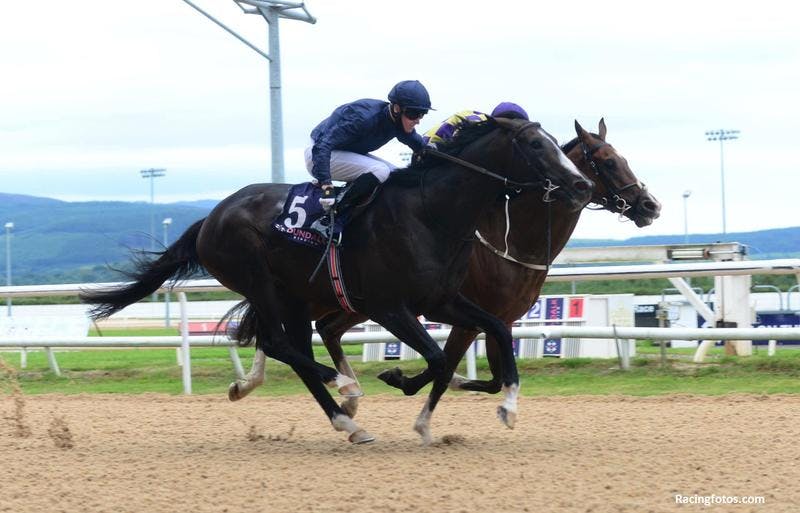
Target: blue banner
<point x="777" y="320"/>
<point x="552" y="347"/>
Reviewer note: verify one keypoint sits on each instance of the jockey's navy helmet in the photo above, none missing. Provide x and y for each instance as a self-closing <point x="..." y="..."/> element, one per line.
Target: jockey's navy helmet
<point x="410" y="94"/>
<point x="509" y="110"/>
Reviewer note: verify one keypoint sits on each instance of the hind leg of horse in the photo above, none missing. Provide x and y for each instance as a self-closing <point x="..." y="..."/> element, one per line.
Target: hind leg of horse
<point x="405" y="326"/>
<point x="284" y="332"/>
<point x="296" y="320"/>
<point x="331" y="328"/>
<point x="271" y="311"/>
<point x="277" y="349"/>
<point x="464" y="313"/>
<point x="241" y="388"/>
<point x="297" y="323"/>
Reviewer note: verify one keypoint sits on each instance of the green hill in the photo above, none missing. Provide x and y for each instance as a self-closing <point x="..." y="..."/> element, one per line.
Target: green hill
<point x="69" y="242"/>
<point x="60" y="242"/>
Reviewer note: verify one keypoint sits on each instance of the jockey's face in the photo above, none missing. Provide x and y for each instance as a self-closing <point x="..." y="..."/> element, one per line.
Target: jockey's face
<point x="408" y="123"/>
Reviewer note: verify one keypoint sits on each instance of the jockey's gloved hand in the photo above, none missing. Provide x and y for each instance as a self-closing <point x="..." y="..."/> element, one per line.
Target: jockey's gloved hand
<point x="328" y="196"/>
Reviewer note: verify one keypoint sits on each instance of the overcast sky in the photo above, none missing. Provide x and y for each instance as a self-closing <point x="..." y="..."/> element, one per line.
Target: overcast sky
<point x="93" y="91"/>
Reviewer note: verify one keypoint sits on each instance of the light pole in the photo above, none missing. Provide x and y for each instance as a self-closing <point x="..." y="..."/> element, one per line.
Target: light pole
<point x="721" y="136"/>
<point x="9" y="227"/>
<point x="686" y="195"/>
<point x="271" y="11"/>
<point x="152" y="174"/>
<point x="165" y="223"/>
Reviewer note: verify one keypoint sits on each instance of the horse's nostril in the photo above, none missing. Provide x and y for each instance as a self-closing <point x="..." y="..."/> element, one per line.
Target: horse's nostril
<point x="582" y="186"/>
<point x="650" y="206"/>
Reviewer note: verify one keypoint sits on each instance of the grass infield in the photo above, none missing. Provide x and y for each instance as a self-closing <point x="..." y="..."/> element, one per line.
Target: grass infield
<point x="156" y="370"/>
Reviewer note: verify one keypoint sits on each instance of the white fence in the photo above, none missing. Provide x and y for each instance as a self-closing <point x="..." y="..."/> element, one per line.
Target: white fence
<point x="784" y="266"/>
<point x="540" y="332"/>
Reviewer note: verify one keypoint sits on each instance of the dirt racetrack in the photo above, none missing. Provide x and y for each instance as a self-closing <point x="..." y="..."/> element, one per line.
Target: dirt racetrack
<point x="157" y="453"/>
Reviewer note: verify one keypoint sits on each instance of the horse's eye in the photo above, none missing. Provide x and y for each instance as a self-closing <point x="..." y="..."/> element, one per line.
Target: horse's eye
<point x="610" y="165"/>
<point x="536" y="145"/>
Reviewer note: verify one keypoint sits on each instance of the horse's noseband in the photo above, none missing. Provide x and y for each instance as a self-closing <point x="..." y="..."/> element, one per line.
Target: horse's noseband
<point x="548" y="188"/>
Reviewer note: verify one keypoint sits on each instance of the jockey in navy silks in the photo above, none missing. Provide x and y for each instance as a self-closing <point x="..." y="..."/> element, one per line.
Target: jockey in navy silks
<point x="448" y="128"/>
<point x="340" y="144"/>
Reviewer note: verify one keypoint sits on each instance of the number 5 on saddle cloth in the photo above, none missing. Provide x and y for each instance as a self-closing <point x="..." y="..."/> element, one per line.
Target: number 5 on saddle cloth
<point x="304" y="221"/>
<point x="302" y="210"/>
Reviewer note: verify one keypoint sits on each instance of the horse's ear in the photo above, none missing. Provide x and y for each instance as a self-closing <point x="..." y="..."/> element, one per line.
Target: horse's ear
<point x="602" y="128"/>
<point x="582" y="134"/>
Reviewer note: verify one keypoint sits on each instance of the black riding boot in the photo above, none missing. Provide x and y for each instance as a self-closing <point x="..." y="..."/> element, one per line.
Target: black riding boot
<point x="356" y="193"/>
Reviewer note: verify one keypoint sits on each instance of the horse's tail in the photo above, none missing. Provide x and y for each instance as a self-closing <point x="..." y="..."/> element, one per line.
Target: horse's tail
<point x="177" y="262"/>
<point x="245" y="332"/>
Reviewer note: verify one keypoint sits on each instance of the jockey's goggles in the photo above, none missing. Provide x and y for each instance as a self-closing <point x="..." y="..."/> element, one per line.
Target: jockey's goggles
<point x="414" y="114"/>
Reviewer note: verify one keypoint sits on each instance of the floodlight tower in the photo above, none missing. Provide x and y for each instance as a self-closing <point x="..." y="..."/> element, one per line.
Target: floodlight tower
<point x="686" y="195"/>
<point x="152" y="174"/>
<point x="721" y="136"/>
<point x="9" y="226"/>
<point x="272" y="11"/>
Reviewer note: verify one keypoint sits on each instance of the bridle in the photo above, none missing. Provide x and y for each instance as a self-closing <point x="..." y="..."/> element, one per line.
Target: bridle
<point x="618" y="204"/>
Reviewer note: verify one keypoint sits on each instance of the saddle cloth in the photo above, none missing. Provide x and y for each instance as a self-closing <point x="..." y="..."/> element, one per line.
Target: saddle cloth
<point x="300" y="211"/>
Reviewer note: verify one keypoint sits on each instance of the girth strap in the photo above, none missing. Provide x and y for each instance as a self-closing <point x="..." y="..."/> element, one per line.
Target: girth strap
<point x="337" y="281"/>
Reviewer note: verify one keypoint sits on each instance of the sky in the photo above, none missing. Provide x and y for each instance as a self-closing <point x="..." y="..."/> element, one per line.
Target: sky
<point x="92" y="92"/>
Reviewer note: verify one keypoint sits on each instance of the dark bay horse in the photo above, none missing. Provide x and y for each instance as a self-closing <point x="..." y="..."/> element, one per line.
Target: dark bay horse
<point x="507" y="268"/>
<point x="404" y="256"/>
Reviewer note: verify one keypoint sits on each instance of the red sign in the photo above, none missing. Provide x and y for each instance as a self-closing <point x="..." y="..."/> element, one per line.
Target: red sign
<point x="575" y="307"/>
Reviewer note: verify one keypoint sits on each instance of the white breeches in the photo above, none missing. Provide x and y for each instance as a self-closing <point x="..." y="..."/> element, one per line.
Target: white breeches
<point x="346" y="166"/>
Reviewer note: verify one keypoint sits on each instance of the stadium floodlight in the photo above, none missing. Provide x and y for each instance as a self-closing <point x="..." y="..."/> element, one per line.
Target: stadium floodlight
<point x="272" y="11"/>
<point x="686" y="195"/>
<point x="9" y="226"/>
<point x="165" y="223"/>
<point x="152" y="174"/>
<point x="722" y="136"/>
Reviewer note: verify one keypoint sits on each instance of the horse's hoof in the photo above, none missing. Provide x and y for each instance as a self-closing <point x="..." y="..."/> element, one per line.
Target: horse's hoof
<point x="457" y="381"/>
<point x="350" y="406"/>
<point x="351" y="390"/>
<point x="506" y="416"/>
<point x="424" y="431"/>
<point x="391" y="377"/>
<point x="361" y="437"/>
<point x="233" y="392"/>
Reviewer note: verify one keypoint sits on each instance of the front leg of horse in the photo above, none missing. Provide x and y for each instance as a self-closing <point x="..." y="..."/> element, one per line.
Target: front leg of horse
<point x="492" y="386"/>
<point x="509" y="377"/>
<point x="465" y="313"/>
<point x="423" y="423"/>
<point x="253" y="379"/>
<point x="403" y="324"/>
<point x="409" y="385"/>
<point x="507" y="412"/>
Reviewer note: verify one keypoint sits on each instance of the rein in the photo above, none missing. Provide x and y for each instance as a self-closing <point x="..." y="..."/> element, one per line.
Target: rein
<point x="548" y="185"/>
<point x="510" y="184"/>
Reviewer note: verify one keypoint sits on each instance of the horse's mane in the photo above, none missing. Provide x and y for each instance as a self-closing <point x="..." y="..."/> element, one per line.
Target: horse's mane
<point x="566" y="148"/>
<point x="465" y="136"/>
